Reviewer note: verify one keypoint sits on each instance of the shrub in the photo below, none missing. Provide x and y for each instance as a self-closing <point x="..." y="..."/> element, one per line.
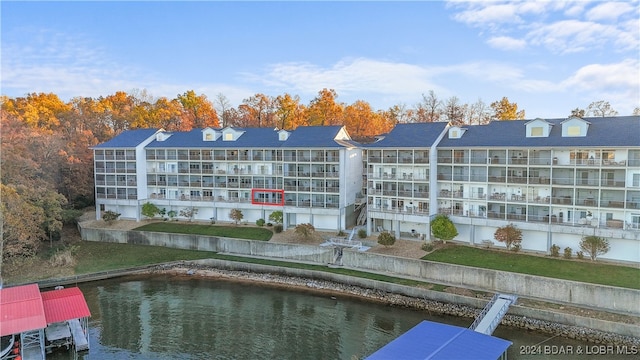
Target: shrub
<point x="386" y="239"/>
<point x="150" y="210"/>
<point x="509" y="235"/>
<point x="516" y="247"/>
<point x="555" y="250"/>
<point x="443" y="228"/>
<point x="362" y="233"/>
<point x="580" y="255"/>
<point x="276" y="217"/>
<point x="236" y="215"/>
<point x="594" y="246"/>
<point x="260" y="222"/>
<point x="110" y="216"/>
<point x="188" y="213"/>
<point x="269" y="224"/>
<point x="427" y="246"/>
<point x="305" y="230"/>
<point x="277" y="228"/>
<point x="567" y="252"/>
<point x="172" y="214"/>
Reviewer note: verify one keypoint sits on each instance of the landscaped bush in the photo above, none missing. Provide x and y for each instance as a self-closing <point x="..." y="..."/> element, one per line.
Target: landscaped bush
<point x="277" y="228"/>
<point x="580" y="255"/>
<point x="567" y="252"/>
<point x="427" y="246"/>
<point x="260" y="222"/>
<point x="269" y="224"/>
<point x="555" y="250"/>
<point x="386" y="239"/>
<point x="516" y="247"/>
<point x="362" y="233"/>
<point x="110" y="216"/>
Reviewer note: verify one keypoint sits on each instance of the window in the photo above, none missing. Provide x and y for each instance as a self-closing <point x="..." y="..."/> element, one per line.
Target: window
<point x="573" y="131"/>
<point x="208" y="136"/>
<point x="636" y="180"/>
<point x="536" y="131"/>
<point x="228" y="136"/>
<point x="454" y="134"/>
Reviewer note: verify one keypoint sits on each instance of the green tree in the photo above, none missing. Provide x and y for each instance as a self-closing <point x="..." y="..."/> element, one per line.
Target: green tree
<point x="386" y="239"/>
<point x="594" y="245"/>
<point x="443" y="228"/>
<point x="509" y="235"/>
<point x="150" y="210"/>
<point x="505" y="110"/>
<point x="236" y="215"/>
<point x="276" y="217"/>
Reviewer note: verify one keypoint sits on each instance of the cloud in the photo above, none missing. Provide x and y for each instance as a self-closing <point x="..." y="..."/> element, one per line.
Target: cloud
<point x="609" y="11"/>
<point x="622" y="76"/>
<point x="563" y="27"/>
<point x="506" y="43"/>
<point x="359" y="75"/>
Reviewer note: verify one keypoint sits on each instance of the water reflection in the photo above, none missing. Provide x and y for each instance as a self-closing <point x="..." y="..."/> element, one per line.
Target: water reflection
<point x="161" y="317"/>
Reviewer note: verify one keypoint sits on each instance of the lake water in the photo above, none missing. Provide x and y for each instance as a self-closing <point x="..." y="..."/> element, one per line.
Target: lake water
<point x="163" y="317"/>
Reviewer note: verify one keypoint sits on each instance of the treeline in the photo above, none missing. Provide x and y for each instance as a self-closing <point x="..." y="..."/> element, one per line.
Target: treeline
<point x="47" y="165"/>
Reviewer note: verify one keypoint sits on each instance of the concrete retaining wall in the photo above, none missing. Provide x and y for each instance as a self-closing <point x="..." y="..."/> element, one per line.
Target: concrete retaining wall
<point x="556" y="290"/>
<point x="602" y="297"/>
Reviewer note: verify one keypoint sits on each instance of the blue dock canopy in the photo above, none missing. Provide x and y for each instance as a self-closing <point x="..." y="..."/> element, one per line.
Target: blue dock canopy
<point x="432" y="340"/>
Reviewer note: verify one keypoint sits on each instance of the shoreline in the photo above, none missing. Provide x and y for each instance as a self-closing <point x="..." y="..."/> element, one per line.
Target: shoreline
<point x="391" y="299"/>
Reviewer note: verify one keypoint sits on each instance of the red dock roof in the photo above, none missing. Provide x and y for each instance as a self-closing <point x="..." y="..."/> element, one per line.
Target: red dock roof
<point x="21" y="309"/>
<point x="64" y="304"/>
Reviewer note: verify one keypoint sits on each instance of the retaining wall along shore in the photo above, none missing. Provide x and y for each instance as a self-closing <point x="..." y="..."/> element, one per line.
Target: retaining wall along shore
<point x="605" y="298"/>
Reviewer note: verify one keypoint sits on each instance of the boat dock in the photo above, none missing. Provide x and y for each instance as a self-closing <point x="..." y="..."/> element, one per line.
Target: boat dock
<point x="38" y="323"/>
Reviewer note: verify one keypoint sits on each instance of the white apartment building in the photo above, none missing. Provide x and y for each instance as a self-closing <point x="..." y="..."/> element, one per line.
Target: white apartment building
<point x="557" y="180"/>
<point x="312" y="174"/>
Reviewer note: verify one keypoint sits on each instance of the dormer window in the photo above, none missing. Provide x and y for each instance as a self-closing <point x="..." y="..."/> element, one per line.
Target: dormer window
<point x="575" y="126"/>
<point x="283" y="135"/>
<point x="456" y="132"/>
<point x="208" y="134"/>
<point x="536" y="131"/>
<point x="538" y="128"/>
<point x="228" y="136"/>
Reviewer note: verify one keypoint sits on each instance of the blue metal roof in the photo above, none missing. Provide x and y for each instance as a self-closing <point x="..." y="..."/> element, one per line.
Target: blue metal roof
<point x="128" y="139"/>
<point x="432" y="340"/>
<point x="313" y="136"/>
<point x="603" y="131"/>
<point x="414" y="135"/>
<point x="302" y="137"/>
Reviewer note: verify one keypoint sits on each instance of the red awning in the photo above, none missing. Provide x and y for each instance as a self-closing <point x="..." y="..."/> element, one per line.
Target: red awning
<point x="21" y="309"/>
<point x="64" y="304"/>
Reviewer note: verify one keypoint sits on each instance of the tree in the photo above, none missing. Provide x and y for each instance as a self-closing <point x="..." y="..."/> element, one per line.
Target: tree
<point x="577" y="112"/>
<point x="189" y="213"/>
<point x="236" y="215"/>
<point x="636" y="111"/>
<point x="443" y="228"/>
<point x="21" y="222"/>
<point x="289" y="112"/>
<point x="509" y="235"/>
<point x="276" y="217"/>
<point x="594" y="245"/>
<point x="150" y="210"/>
<point x="197" y="110"/>
<point x="505" y="110"/>
<point x="386" y="239"/>
<point x="324" y="110"/>
<point x="222" y="106"/>
<point x="429" y="110"/>
<point x="601" y="108"/>
<point x="454" y="111"/>
<point x="306" y="231"/>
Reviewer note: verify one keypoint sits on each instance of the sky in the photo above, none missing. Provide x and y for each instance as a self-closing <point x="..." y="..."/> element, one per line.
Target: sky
<point x="549" y="57"/>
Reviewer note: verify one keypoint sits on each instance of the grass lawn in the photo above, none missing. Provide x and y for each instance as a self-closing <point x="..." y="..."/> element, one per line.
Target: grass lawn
<point x="98" y="256"/>
<point x="238" y="232"/>
<point x="585" y="271"/>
